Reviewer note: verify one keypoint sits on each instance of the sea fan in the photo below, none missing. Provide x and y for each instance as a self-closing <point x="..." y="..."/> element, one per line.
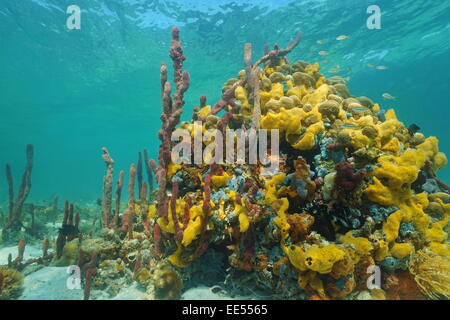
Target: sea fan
<point x="432" y="273"/>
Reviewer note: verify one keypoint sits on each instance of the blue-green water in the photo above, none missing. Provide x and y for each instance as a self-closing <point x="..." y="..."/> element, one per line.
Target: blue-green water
<point x="71" y="92"/>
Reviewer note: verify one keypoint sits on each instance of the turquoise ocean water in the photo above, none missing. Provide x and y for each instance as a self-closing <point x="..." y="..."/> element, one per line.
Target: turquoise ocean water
<point x="71" y="92"/>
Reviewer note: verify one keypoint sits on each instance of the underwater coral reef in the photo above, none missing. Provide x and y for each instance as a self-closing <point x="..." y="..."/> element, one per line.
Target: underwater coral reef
<point x="354" y="190"/>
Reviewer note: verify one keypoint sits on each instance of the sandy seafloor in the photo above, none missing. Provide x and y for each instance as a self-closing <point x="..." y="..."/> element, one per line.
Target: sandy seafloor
<point x="50" y="283"/>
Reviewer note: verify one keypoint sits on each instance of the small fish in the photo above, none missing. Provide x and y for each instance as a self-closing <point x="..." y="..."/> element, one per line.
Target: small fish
<point x="319" y="42"/>
<point x="68" y="230"/>
<point x="387" y="96"/>
<point x="381" y="67"/>
<point x="338" y="78"/>
<point x="370" y="65"/>
<point x="334" y="70"/>
<point x="413" y="128"/>
<point x="326" y="61"/>
<point x="323" y="53"/>
<point x="341" y="37"/>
